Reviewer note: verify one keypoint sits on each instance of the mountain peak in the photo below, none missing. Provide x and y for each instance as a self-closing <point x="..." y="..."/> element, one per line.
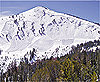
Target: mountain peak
<point x="41" y="7"/>
<point x="44" y="30"/>
<point x="38" y="8"/>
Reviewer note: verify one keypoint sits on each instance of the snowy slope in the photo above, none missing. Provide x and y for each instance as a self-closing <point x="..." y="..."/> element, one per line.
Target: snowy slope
<point x="44" y="30"/>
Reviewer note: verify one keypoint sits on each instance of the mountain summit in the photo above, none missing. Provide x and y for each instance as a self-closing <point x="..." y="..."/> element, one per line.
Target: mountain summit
<point x="44" y="30"/>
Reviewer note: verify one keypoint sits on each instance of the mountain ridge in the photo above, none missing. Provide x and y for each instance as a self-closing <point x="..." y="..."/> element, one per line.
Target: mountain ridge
<point x="21" y="20"/>
<point x="57" y="12"/>
<point x="44" y="30"/>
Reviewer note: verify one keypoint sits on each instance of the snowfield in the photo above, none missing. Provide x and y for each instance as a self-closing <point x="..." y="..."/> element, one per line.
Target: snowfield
<point x="44" y="30"/>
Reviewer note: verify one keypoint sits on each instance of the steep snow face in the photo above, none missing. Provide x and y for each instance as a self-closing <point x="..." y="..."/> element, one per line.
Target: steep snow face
<point x="43" y="29"/>
<point x="22" y="30"/>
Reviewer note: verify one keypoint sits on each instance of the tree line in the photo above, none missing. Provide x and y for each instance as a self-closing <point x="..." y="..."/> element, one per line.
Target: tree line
<point x="80" y="64"/>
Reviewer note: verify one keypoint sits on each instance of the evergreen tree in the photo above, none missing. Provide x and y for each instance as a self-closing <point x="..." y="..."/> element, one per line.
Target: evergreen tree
<point x="67" y="71"/>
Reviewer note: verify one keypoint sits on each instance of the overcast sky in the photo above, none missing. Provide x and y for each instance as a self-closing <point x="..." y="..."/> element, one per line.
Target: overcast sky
<point x="85" y="9"/>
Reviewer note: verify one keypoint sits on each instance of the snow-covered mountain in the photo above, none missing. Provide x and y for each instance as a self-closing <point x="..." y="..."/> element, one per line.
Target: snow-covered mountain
<point x="44" y="30"/>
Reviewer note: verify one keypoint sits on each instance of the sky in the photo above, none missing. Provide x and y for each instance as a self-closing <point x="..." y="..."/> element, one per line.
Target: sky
<point x="89" y="10"/>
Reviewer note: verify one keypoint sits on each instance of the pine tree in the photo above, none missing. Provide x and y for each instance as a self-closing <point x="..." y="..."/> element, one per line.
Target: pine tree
<point x="41" y="75"/>
<point x="67" y="71"/>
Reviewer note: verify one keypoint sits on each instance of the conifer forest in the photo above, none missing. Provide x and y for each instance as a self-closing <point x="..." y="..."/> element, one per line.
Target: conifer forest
<point x="81" y="64"/>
